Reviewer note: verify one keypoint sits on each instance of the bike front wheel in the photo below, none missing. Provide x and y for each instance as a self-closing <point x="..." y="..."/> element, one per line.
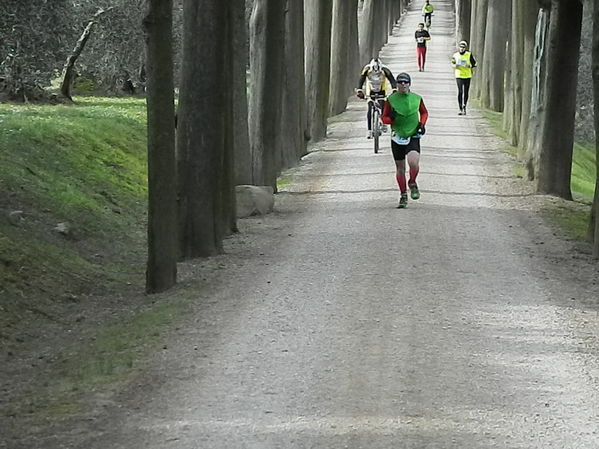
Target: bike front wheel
<point x="376" y="130"/>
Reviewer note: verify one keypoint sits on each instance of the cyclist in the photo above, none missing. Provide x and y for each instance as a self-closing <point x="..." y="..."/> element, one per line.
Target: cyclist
<point x="377" y="76"/>
<point x="427" y="12"/>
<point x="407" y="115"/>
<point x="463" y="62"/>
<point x="421" y="36"/>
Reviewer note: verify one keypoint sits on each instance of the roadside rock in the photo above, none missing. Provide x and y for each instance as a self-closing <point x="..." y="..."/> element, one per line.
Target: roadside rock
<point x="15" y="217"/>
<point x="254" y="200"/>
<point x="64" y="228"/>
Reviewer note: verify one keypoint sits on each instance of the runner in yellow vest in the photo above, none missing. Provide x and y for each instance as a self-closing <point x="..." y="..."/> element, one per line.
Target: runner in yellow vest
<point x="407" y="115"/>
<point x="463" y="62"/>
<point x="427" y="12"/>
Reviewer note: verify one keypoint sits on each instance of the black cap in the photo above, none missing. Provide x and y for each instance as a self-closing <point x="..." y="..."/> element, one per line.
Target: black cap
<point x="404" y="77"/>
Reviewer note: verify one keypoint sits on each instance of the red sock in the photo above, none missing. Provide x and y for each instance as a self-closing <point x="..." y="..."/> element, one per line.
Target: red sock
<point x="401" y="181"/>
<point x="413" y="174"/>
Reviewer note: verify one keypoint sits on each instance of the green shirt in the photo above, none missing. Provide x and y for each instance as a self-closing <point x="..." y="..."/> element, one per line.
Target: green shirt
<point x="407" y="113"/>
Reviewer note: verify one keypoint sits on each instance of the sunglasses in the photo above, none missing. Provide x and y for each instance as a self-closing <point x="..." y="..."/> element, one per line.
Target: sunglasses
<point x="403" y="82"/>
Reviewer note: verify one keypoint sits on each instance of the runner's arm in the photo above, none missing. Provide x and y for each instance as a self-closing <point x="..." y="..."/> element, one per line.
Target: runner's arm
<point x="472" y="61"/>
<point x="423" y="112"/>
<point x="363" y="75"/>
<point x="388" y="114"/>
<point x="362" y="80"/>
<point x="389" y="76"/>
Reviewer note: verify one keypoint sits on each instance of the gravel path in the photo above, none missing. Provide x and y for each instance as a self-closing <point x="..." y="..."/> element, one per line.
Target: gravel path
<point x="340" y="321"/>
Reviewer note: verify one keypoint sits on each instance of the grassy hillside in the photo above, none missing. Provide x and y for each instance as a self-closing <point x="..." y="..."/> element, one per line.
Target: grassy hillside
<point x="573" y="217"/>
<point x="583" y="161"/>
<point x="72" y="201"/>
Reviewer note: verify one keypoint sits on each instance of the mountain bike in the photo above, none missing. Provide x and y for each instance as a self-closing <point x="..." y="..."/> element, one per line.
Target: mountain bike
<point x="377" y="125"/>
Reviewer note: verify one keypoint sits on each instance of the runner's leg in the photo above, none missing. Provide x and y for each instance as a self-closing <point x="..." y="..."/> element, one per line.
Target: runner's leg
<point x="413" y="158"/>
<point x="460" y="84"/>
<point x="400" y="175"/>
<point x="421" y="57"/>
<point x="399" y="155"/>
<point x="466" y="82"/>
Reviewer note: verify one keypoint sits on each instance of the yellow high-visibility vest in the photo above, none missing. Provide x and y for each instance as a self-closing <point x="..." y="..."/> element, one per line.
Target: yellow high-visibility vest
<point x="462" y="64"/>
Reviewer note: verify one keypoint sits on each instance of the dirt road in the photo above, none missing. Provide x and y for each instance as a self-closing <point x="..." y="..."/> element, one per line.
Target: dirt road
<point x="342" y="322"/>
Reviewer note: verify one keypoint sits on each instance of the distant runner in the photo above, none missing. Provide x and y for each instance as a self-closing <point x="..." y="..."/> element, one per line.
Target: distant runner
<point x="407" y="115"/>
<point x="463" y="62"/>
<point x="427" y="12"/>
<point x="421" y="36"/>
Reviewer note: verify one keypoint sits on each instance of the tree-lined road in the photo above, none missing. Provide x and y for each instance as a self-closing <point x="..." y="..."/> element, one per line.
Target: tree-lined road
<point x="340" y="321"/>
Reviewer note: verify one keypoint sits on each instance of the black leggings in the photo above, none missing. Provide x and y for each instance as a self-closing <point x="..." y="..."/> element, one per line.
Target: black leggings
<point x="463" y="88"/>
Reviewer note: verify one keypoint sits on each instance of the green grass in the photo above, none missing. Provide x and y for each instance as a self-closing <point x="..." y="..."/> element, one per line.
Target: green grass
<point x="495" y="120"/>
<point x="114" y="356"/>
<point x="572" y="220"/>
<point x="583" y="172"/>
<point x="283" y="181"/>
<point x="84" y="164"/>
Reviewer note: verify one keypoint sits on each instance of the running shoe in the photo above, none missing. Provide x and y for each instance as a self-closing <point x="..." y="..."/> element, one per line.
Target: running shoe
<point x="403" y="201"/>
<point x="369" y="135"/>
<point x="414" y="192"/>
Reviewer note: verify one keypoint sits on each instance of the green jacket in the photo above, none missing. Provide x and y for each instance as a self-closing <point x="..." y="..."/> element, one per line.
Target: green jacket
<point x="407" y="115"/>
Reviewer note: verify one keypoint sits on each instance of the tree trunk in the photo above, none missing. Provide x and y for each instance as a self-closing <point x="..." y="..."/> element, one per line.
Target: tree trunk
<point x="267" y="56"/>
<point x="367" y="31"/>
<point x="354" y="51"/>
<point x="344" y="11"/>
<point x="508" y="98"/>
<point x="493" y="58"/>
<point x="594" y="219"/>
<point x="390" y="18"/>
<point x="478" y="26"/>
<point x="538" y="87"/>
<point x="514" y="92"/>
<point x="463" y="12"/>
<point x="318" y="14"/>
<point x="204" y="140"/>
<point x="241" y="142"/>
<point x="161" y="268"/>
<point x="294" y="99"/>
<point x="236" y="135"/>
<point x="382" y="27"/>
<point x="527" y="25"/>
<point x="68" y="71"/>
<point x="557" y="130"/>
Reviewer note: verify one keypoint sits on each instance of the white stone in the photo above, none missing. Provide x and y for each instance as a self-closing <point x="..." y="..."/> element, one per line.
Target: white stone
<point x="254" y="200"/>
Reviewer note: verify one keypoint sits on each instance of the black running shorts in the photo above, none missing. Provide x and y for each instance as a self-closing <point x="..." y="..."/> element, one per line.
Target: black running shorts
<point x="400" y="151"/>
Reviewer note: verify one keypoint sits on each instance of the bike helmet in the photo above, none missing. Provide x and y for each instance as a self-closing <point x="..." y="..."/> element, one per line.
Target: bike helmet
<point x="376" y="65"/>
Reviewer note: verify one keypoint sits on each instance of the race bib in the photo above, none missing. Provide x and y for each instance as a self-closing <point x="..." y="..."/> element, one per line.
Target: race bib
<point x="400" y="140"/>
